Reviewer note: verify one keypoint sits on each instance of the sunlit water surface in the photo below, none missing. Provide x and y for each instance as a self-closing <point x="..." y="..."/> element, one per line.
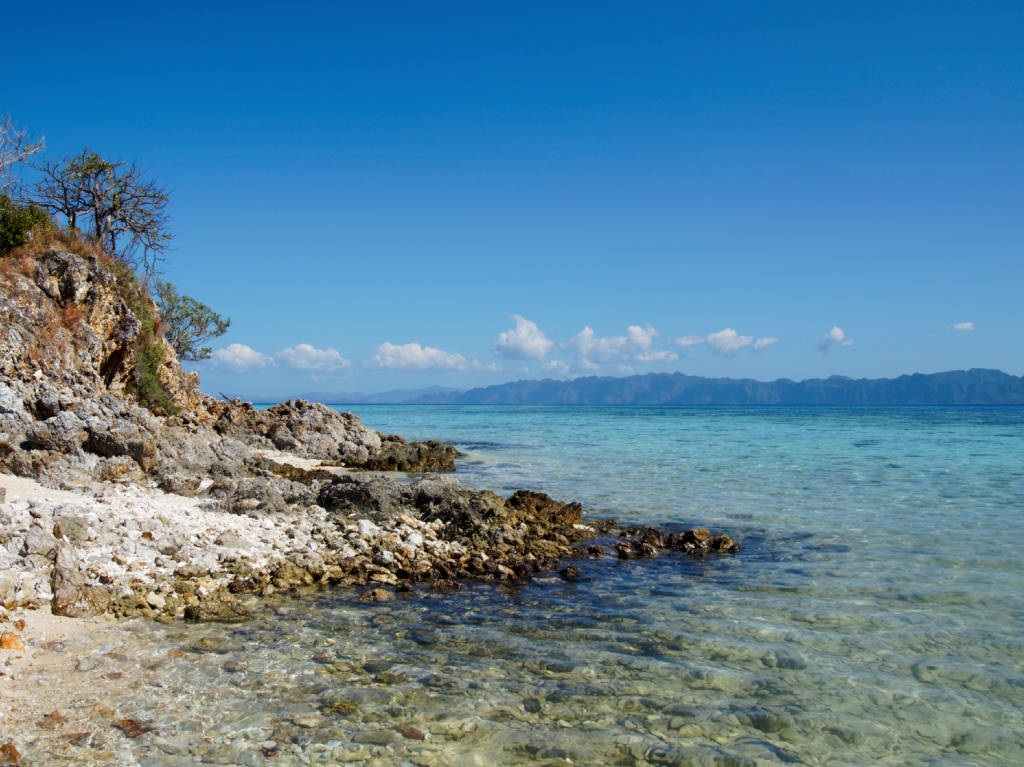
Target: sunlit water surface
<point x="874" y="615"/>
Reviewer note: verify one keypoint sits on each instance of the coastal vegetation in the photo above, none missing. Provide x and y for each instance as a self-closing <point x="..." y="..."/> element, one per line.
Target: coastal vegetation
<point x="112" y="211"/>
<point x="188" y="323"/>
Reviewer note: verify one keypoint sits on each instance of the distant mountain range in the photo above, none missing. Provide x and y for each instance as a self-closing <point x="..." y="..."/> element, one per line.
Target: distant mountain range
<point x="394" y="397"/>
<point x="956" y="387"/>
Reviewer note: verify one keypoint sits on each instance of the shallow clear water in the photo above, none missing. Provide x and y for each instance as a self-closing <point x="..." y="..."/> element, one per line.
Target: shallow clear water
<point x="874" y="615"/>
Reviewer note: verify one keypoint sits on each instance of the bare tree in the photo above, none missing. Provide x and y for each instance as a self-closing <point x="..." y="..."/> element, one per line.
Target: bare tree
<point x="15" y="148"/>
<point x="58" y="191"/>
<point x="112" y="202"/>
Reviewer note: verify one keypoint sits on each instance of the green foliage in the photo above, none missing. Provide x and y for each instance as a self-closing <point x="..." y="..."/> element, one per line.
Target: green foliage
<point x="187" y="323"/>
<point x="146" y="385"/>
<point x="135" y="293"/>
<point x="149" y="351"/>
<point x="17" y="222"/>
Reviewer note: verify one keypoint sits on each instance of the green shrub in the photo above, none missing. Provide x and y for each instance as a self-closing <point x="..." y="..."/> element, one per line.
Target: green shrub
<point x="146" y="385"/>
<point x="17" y="223"/>
<point x="149" y="350"/>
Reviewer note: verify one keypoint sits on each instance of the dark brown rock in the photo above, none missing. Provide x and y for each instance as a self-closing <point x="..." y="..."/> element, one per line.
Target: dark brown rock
<point x="445" y="585"/>
<point x="724" y="543"/>
<point x="132" y="728"/>
<point x="220" y="606"/>
<point x="698" y="536"/>
<point x="9" y="754"/>
<point x="377" y="595"/>
<point x="396" y="454"/>
<point x="625" y="550"/>
<point x="407" y="731"/>
<point x="539" y="505"/>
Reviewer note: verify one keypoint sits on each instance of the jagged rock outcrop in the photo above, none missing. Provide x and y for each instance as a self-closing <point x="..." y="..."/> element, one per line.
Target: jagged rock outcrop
<point x="395" y="454"/>
<point x="68" y="368"/>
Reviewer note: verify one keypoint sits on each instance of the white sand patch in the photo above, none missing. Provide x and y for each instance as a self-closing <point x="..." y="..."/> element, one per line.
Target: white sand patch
<point x="298" y="461"/>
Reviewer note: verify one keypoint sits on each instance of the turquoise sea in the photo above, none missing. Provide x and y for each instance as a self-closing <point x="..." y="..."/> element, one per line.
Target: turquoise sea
<point x="874" y="615"/>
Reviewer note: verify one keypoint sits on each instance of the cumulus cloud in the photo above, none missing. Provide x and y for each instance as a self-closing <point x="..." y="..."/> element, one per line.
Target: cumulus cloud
<point x="415" y="356"/>
<point x="727" y="341"/>
<point x="835" y="337"/>
<point x="963" y="327"/>
<point x="307" y="357"/>
<point x="557" y="367"/>
<point x="489" y="367"/>
<point x="635" y="346"/>
<point x="524" y="342"/>
<point x="241" y="358"/>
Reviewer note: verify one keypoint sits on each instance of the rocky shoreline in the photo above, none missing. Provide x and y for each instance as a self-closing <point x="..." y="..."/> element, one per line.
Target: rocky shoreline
<point x="198" y="510"/>
<point x="130" y="550"/>
<point x="195" y="512"/>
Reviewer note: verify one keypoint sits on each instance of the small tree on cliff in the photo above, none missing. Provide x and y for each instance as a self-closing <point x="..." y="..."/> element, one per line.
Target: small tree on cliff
<point x="112" y="202"/>
<point x="187" y="322"/>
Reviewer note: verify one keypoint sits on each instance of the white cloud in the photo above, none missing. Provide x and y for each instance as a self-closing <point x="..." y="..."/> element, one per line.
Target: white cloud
<point x="525" y="342"/>
<point x="241" y="358"/>
<point x="626" y="369"/>
<point x="641" y="337"/>
<point x="407" y="356"/>
<point x="635" y="346"/>
<point x="490" y="367"/>
<point x="963" y="327"/>
<point x="307" y="357"/>
<point x="727" y="341"/>
<point x="557" y="367"/>
<point x="836" y="336"/>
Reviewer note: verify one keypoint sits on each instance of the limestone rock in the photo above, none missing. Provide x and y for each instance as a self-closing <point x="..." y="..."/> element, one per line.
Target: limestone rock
<point x="63" y="433"/>
<point x="39" y="541"/>
<point x="71" y="596"/>
<point x="11" y="402"/>
<point x="122" y="438"/>
<point x="9" y="585"/>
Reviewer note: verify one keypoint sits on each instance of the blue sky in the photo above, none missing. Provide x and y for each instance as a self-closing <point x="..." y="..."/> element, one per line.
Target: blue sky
<point x="392" y="195"/>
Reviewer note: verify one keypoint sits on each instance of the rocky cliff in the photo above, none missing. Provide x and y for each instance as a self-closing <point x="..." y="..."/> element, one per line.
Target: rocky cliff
<point x="72" y="366"/>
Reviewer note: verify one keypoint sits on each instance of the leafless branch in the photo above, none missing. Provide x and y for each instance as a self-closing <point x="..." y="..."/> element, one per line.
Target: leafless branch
<point x="15" y="148"/>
